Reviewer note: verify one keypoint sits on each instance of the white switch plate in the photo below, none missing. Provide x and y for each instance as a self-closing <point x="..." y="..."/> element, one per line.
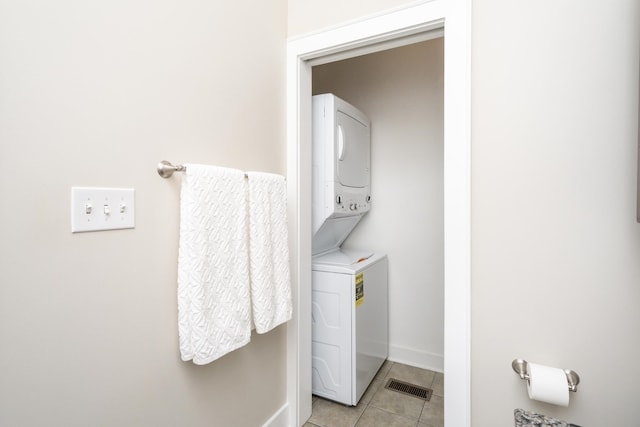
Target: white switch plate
<point x="94" y="209"/>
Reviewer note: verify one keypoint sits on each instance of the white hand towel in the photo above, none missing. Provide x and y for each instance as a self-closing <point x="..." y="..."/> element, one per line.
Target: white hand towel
<point x="214" y="307"/>
<point x="269" y="251"/>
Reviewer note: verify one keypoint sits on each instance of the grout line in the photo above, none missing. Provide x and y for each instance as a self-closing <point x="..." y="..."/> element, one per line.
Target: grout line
<point x="360" y="416"/>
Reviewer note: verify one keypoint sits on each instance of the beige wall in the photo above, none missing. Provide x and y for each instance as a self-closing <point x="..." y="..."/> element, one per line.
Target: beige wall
<point x="556" y="248"/>
<point x="401" y="91"/>
<point x="307" y="16"/>
<point x="95" y="94"/>
<point x="555" y="245"/>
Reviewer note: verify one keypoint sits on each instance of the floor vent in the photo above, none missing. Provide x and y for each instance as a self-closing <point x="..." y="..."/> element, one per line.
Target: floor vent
<point x="410" y="389"/>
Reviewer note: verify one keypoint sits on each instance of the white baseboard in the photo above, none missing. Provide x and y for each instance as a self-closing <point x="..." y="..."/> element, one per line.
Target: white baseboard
<point x="280" y="418"/>
<point x="417" y="358"/>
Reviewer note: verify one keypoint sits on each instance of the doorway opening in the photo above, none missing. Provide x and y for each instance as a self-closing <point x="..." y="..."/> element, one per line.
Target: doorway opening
<point x="401" y="91"/>
<point x="398" y="28"/>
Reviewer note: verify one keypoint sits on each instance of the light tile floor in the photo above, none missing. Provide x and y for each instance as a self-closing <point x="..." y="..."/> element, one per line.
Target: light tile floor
<point x="380" y="407"/>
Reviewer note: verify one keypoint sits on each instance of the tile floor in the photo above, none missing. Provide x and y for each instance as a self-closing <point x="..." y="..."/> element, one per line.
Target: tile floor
<point x="380" y="407"/>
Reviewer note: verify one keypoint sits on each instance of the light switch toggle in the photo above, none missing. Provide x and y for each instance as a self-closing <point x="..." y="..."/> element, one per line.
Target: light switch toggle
<point x="88" y="209"/>
<point x="123" y="208"/>
<point x="107" y="210"/>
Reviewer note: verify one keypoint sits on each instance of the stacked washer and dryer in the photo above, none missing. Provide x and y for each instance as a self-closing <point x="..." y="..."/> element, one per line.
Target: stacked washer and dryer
<point x="349" y="288"/>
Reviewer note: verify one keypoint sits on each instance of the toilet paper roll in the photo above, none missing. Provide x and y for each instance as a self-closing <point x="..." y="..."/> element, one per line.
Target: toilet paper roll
<point x="548" y="384"/>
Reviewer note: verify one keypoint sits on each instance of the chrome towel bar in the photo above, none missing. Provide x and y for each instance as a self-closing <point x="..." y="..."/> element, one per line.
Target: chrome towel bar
<point x="166" y="169"/>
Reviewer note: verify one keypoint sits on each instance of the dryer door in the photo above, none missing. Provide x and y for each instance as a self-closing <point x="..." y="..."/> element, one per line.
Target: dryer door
<point x="353" y="153"/>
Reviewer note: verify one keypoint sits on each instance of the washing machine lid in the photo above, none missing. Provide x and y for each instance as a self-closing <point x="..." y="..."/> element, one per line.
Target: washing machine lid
<point x="341" y="257"/>
<point x="330" y="262"/>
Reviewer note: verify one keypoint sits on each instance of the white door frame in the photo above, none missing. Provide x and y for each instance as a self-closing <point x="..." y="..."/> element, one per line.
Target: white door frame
<point x="395" y="28"/>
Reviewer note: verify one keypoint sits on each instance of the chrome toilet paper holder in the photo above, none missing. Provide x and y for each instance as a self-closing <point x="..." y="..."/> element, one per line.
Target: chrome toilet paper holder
<point x="520" y="366"/>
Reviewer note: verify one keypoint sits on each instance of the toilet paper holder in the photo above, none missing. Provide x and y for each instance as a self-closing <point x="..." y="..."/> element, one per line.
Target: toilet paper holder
<point x="520" y="366"/>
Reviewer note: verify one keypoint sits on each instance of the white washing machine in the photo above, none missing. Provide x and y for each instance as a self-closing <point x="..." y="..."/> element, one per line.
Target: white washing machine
<point x="349" y="289"/>
<point x="350" y="326"/>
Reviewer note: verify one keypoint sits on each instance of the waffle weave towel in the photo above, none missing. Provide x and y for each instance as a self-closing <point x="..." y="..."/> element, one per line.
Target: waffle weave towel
<point x="214" y="307"/>
<point x="269" y="251"/>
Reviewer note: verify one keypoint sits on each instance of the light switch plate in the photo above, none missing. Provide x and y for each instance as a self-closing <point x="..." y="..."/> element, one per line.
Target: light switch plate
<point x="95" y="208"/>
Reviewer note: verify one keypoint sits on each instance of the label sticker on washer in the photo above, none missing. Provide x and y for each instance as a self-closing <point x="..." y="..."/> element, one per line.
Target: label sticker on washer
<point x="359" y="289"/>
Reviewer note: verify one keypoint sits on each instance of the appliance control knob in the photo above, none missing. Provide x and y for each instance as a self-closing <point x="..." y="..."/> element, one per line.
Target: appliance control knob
<point x="339" y="199"/>
<point x="353" y="206"/>
<point x="368" y="198"/>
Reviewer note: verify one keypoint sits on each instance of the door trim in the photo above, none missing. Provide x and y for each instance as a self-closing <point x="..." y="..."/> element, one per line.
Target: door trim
<point x="392" y="29"/>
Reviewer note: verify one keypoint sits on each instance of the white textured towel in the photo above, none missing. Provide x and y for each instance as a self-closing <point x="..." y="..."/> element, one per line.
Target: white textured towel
<point x="214" y="307"/>
<point x="269" y="251"/>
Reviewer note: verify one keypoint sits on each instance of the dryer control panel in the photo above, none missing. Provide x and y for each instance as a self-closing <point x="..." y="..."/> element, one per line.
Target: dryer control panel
<point x="349" y="202"/>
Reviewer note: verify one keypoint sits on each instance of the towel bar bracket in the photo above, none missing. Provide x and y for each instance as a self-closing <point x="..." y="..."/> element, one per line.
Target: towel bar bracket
<point x="166" y="169"/>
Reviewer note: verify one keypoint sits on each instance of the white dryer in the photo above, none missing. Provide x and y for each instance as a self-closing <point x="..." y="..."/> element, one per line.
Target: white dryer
<point x="349" y="289"/>
<point x="341" y="170"/>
